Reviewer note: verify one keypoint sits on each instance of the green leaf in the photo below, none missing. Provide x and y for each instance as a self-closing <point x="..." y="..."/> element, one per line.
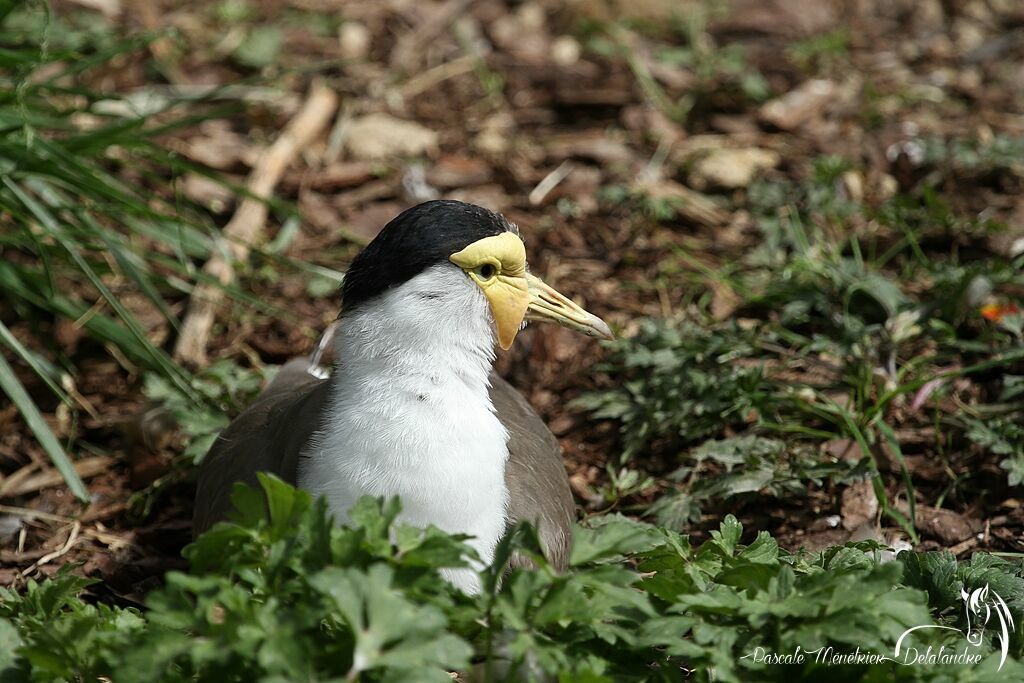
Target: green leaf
<point x="1014" y="467"/>
<point x="43" y="369"/>
<point x="611" y="536"/>
<point x="285" y="504"/>
<point x="764" y="550"/>
<point x="727" y="537"/>
<point x="431" y="547"/>
<point x="391" y="634"/>
<point x="934" y="573"/>
<point x="10" y="641"/>
<point x="260" y="47"/>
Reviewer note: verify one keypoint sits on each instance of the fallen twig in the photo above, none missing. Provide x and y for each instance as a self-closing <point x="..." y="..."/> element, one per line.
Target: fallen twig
<point x="76" y="527"/>
<point x="107" y="538"/>
<point x="549" y="183"/>
<point x="690" y="204"/>
<point x="17" y="485"/>
<point x="434" y="76"/>
<point x="246" y="226"/>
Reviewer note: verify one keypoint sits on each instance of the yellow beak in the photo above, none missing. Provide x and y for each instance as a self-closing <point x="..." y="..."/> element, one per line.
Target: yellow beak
<point x="548" y="305"/>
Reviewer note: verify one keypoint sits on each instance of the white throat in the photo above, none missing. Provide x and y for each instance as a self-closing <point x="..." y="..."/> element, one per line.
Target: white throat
<point x="409" y="413"/>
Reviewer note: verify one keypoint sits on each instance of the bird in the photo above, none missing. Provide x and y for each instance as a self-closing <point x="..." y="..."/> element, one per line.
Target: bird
<point x="413" y="407"/>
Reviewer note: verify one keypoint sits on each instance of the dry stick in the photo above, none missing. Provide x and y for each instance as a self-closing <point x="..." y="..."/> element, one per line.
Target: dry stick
<point x="549" y="183"/>
<point x="246" y="226"/>
<point x="17" y="485"/>
<point x="437" y="75"/>
<point x="76" y="527"/>
<point x="107" y="538"/>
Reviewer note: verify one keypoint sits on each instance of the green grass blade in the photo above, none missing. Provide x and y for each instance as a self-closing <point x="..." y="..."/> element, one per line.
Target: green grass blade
<point x="890" y="436"/>
<point x="143" y="346"/>
<point x="19" y="397"/>
<point x="850" y="423"/>
<point x="32" y="361"/>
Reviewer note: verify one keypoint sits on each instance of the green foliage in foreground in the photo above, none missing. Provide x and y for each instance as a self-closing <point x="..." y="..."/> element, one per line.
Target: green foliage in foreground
<point x="287" y="596"/>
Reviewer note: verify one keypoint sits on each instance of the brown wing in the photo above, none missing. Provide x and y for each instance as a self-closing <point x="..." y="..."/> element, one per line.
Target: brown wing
<point x="537" y="483"/>
<point x="267" y="437"/>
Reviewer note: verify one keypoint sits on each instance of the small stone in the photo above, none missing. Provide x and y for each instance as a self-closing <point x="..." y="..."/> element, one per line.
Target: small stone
<point x="354" y="39"/>
<point x="381" y="136"/>
<point x="732" y="168"/>
<point x="859" y="504"/>
<point x="215" y="196"/>
<point x="565" y="51"/>
<point x="532" y="16"/>
<point x="947" y="526"/>
<point x="853" y="183"/>
<point x="220" y="147"/>
<point x="888" y="186"/>
<point x="929" y="16"/>
<point x="968" y="35"/>
<point x="799" y="105"/>
<point x="495" y="135"/>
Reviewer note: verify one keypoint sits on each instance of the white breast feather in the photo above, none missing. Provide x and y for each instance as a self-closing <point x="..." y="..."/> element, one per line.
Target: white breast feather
<point x="409" y="413"/>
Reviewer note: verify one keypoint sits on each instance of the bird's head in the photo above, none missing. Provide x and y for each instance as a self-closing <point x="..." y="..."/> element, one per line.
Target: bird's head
<point x="478" y="249"/>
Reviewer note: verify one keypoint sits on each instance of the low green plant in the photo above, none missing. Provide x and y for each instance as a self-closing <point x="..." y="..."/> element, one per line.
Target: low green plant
<point x="822" y="51"/>
<point x="282" y="594"/>
<point x="225" y="387"/>
<point x="79" y="224"/>
<point x="722" y="470"/>
<point x="1001" y="436"/>
<point x="623" y="483"/>
<point x="658" y="209"/>
<point x="844" y="343"/>
<point x="684" y="44"/>
<point x="1001" y="151"/>
<point x="676" y="384"/>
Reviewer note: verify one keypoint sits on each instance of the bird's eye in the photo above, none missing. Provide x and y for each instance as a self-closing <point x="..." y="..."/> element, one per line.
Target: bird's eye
<point x="485" y="271"/>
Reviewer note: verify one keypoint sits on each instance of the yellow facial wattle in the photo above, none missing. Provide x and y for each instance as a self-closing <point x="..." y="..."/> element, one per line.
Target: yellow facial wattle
<point x="497" y="264"/>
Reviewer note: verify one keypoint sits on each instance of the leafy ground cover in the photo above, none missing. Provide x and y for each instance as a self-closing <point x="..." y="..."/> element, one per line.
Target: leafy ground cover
<point x="284" y="594"/>
<point x="803" y="218"/>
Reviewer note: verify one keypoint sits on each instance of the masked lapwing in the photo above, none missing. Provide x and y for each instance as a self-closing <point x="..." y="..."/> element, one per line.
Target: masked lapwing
<point x="413" y="407"/>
